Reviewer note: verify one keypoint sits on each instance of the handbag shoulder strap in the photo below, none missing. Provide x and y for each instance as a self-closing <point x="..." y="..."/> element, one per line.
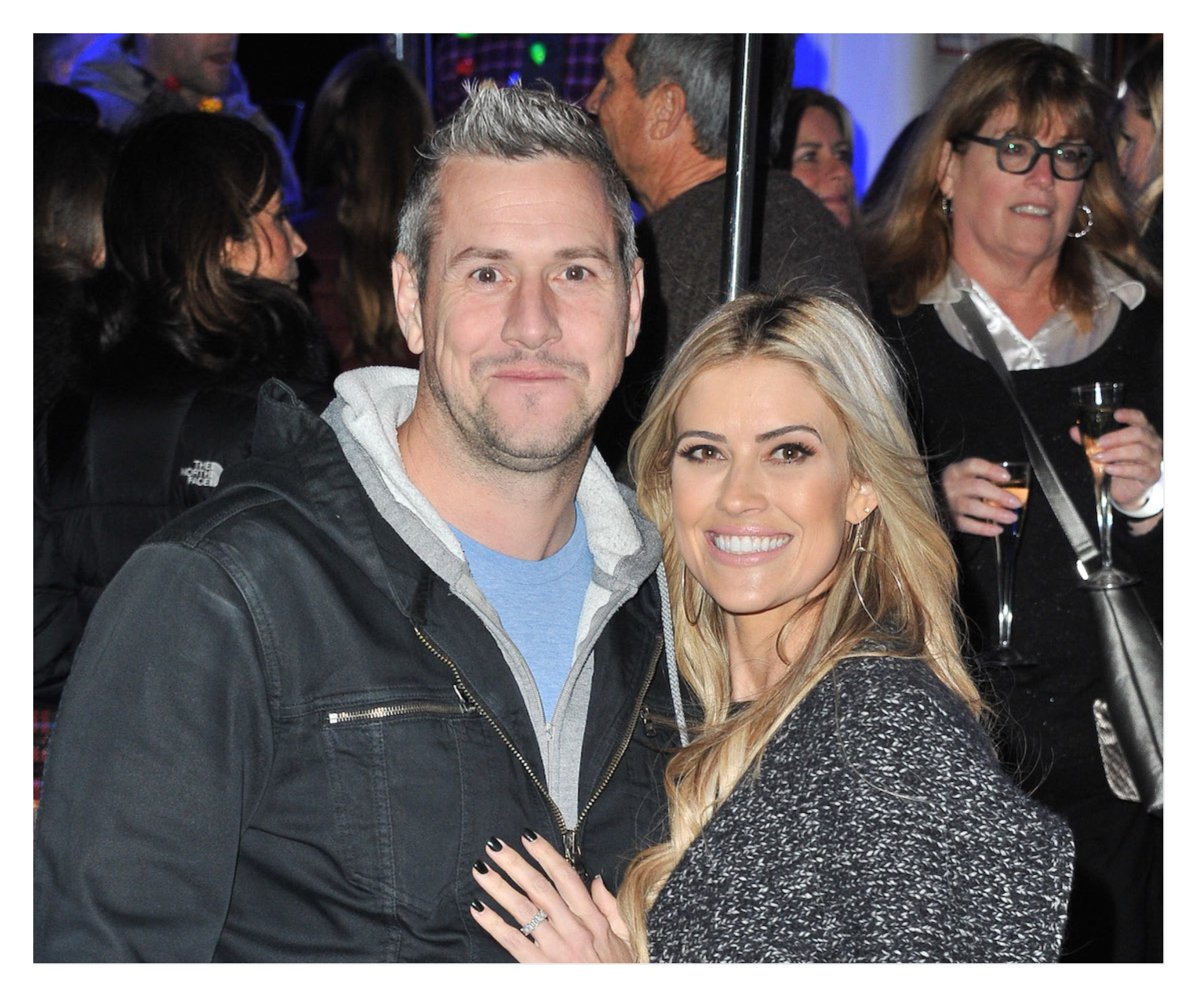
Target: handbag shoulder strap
<point x="1086" y="552"/>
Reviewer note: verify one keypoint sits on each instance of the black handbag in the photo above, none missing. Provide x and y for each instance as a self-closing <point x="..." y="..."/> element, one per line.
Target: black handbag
<point x="1129" y="722"/>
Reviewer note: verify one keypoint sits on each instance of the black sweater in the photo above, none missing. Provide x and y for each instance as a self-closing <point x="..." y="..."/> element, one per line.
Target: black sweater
<point x="961" y="410"/>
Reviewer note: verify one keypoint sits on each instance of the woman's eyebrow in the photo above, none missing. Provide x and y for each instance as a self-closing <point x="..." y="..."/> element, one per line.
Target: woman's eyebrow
<point x="706" y="435"/>
<point x="789" y="429"/>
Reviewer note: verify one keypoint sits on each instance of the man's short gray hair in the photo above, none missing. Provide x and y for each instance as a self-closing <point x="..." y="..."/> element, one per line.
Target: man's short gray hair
<point x="702" y="66"/>
<point x="510" y="123"/>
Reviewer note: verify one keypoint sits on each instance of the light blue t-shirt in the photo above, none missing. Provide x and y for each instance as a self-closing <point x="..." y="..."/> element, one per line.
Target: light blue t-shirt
<point x="539" y="602"/>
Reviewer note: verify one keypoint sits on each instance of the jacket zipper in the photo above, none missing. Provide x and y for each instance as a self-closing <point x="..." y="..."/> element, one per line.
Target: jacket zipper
<point x="640" y="713"/>
<point x="647" y="722"/>
<point x="573" y="847"/>
<point x="464" y="696"/>
<point x="398" y="709"/>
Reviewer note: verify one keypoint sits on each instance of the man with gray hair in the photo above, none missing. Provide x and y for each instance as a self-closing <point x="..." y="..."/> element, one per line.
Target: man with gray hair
<point x="422" y="621"/>
<point x="663" y="103"/>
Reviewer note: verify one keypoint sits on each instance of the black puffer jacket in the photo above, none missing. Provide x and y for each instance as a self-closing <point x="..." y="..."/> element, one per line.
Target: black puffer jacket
<point x="111" y="468"/>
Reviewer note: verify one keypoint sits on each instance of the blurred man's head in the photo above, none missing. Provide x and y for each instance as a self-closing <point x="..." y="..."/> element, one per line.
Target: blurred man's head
<point x="199" y="63"/>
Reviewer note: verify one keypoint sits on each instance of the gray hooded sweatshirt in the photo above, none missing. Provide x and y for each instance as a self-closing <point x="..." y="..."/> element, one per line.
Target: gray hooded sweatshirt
<point x="626" y="549"/>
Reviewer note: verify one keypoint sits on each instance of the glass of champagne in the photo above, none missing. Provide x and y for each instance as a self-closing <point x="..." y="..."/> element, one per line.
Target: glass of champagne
<point x="1095" y="406"/>
<point x="1006" y="558"/>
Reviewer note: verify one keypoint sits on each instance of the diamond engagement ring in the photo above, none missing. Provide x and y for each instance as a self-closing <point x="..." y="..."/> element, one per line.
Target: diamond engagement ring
<point x="528" y="928"/>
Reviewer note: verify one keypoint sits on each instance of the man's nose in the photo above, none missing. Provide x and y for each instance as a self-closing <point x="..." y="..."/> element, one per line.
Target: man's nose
<point x="532" y="321"/>
<point x="593" y="100"/>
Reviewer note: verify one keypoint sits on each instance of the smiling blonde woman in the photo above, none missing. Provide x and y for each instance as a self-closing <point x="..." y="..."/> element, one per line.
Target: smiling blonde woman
<point x="841" y="801"/>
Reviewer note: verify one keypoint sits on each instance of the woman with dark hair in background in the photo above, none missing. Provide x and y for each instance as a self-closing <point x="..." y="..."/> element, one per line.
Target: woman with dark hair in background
<point x="72" y="162"/>
<point x="369" y="117"/>
<point x="818" y="150"/>
<point x="1140" y="146"/>
<point x="194" y="308"/>
<point x="1009" y="220"/>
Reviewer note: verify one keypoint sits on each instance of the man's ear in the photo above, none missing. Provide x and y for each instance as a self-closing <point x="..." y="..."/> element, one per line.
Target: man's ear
<point x="947" y="172"/>
<point x="668" y="109"/>
<point x="407" y="293"/>
<point x="637" y="290"/>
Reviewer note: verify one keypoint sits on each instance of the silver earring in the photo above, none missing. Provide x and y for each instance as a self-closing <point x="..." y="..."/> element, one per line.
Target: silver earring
<point x="947" y="208"/>
<point x="856" y="549"/>
<point x="1086" y="229"/>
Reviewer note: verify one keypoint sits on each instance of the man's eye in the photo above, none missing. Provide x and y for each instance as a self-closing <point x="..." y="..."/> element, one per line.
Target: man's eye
<point x="576" y="272"/>
<point x="1016" y="147"/>
<point x="486" y="275"/>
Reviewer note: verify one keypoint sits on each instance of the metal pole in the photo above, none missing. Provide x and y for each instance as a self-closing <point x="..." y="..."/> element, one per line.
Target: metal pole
<point x="739" y="170"/>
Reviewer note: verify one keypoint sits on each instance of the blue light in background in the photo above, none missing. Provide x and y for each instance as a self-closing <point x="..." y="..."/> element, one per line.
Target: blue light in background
<point x="811" y="65"/>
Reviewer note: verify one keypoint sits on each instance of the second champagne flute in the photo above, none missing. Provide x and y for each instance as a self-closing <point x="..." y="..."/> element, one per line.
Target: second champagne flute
<point x="1095" y="406"/>
<point x="1007" y="542"/>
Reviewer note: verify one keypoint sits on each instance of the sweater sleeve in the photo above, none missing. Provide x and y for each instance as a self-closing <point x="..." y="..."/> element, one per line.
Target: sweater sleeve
<point x="949" y="861"/>
<point x="162" y="745"/>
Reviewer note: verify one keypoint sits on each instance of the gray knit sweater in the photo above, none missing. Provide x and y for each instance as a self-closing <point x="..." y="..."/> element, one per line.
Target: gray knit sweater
<point x="879" y="829"/>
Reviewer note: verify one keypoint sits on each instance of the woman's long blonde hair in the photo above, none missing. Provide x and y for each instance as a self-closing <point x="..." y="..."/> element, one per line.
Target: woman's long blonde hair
<point x="907" y="582"/>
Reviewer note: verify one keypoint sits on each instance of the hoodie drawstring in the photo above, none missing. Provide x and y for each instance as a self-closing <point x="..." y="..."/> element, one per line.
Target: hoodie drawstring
<point x="669" y="644"/>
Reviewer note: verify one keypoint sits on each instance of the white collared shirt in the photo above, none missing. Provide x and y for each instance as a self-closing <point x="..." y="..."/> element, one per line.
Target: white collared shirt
<point x="1059" y="341"/>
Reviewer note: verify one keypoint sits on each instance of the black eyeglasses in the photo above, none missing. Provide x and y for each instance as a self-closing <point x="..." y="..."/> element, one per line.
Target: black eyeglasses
<point x="1017" y="154"/>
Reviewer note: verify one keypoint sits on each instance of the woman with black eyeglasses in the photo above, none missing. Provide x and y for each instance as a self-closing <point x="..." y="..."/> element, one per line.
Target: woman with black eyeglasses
<point x="1010" y="208"/>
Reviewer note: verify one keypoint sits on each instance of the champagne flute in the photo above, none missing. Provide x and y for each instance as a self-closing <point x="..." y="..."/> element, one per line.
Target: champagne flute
<point x="1007" y="542"/>
<point x="1095" y="406"/>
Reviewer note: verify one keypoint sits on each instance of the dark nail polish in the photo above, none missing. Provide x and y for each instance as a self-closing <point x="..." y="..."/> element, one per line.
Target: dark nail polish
<point x="480" y="867"/>
<point x="495" y="845"/>
<point x="529" y="835"/>
<point x="476" y="906"/>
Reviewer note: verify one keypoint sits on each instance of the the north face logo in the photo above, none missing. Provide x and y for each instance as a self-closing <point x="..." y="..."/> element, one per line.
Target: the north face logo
<point x="201" y="473"/>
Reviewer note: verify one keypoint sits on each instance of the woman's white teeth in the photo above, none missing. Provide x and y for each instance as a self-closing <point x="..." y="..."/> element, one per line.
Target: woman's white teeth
<point x="739" y="545"/>
<point x="1031" y="210"/>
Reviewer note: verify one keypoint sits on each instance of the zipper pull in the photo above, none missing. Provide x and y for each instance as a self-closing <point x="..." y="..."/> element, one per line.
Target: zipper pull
<point x="574" y="854"/>
<point x="464" y="700"/>
<point x="649" y="726"/>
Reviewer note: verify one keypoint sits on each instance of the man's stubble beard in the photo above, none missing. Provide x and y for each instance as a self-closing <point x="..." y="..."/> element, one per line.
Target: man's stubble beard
<point x="486" y="438"/>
